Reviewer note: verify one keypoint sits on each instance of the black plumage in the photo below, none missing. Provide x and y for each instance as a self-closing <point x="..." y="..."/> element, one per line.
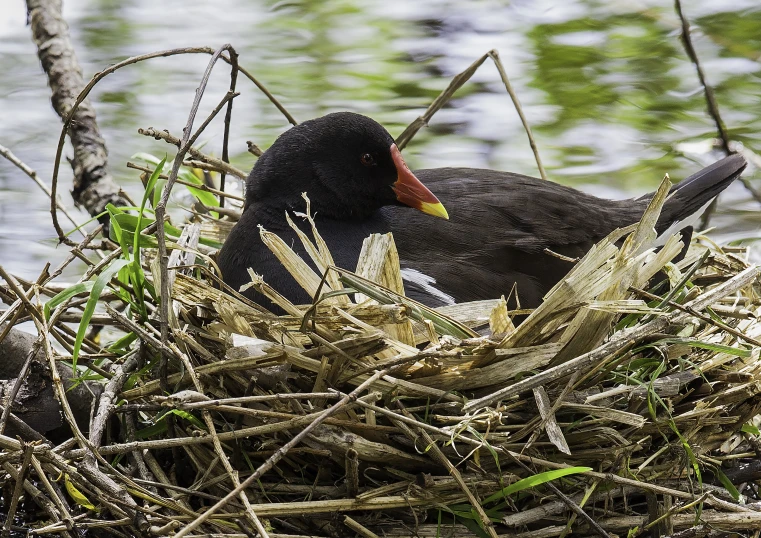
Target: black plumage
<point x="500" y="226"/>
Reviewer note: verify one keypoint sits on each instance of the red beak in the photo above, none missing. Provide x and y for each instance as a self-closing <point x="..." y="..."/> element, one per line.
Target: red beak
<point x="411" y="192"/>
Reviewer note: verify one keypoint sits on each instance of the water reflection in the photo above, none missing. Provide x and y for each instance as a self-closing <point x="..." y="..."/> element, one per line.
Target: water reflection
<point x="605" y="85"/>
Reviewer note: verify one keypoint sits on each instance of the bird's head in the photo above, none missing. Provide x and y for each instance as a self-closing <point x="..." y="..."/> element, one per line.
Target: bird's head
<point x="348" y="165"/>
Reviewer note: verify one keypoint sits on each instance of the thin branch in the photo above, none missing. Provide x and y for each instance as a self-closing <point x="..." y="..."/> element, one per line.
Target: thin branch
<point x="457" y="82"/>
<point x="494" y="55"/>
<point x="228" y="119"/>
<point x="186" y="142"/>
<point x="713" y="107"/>
<point x="170" y="139"/>
<point x="443" y="98"/>
<point x="188" y="184"/>
<point x="8" y="154"/>
<point x="111" y="69"/>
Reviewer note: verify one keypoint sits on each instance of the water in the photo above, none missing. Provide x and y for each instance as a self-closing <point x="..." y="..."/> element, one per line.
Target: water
<point x="612" y="99"/>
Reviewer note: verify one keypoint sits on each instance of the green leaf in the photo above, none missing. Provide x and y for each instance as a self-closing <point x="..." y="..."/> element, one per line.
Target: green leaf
<point x="115" y="229"/>
<point x="128" y="223"/>
<point x="688" y="450"/>
<point x="473" y="525"/>
<point x="184" y="173"/>
<point x="157" y="192"/>
<point x="751" y="429"/>
<point x="205" y="197"/>
<point x="135" y="377"/>
<point x="65" y="295"/>
<point x="76" y="495"/>
<point x="533" y="481"/>
<point x="190" y="418"/>
<point x="122" y="343"/>
<point x="85" y="223"/>
<point x="728" y="485"/>
<point x="152" y="431"/>
<point x="719" y="348"/>
<point x="100" y="283"/>
<point x="137" y="277"/>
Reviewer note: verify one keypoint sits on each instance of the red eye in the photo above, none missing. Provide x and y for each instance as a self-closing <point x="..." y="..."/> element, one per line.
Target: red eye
<point x="367" y="159"/>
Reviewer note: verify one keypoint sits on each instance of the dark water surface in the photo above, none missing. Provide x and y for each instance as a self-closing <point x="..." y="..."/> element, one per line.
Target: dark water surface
<point x="611" y="96"/>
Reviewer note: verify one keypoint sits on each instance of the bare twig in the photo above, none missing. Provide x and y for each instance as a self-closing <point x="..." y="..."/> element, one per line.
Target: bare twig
<point x="713" y="107"/>
<point x="457" y="82"/>
<point x="228" y="119"/>
<point x="217" y="163"/>
<point x="8" y="154"/>
<point x="10" y="516"/>
<point x="494" y="55"/>
<point x="185" y="144"/>
<point x="188" y="184"/>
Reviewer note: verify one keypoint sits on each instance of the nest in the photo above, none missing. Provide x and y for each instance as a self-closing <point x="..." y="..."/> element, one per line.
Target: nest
<point x="626" y="403"/>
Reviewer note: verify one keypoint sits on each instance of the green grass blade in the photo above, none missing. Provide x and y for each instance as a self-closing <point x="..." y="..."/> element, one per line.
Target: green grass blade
<point x="717" y="348"/>
<point x="136" y="275"/>
<point x="533" y="481"/>
<point x="728" y="485"/>
<point x="65" y="295"/>
<point x="206" y="198"/>
<point x="85" y="223"/>
<point x="190" y="418"/>
<point x="751" y="429"/>
<point x="100" y="283"/>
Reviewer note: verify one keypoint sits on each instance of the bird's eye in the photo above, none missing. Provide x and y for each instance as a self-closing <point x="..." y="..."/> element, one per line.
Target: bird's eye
<point x="367" y="159"/>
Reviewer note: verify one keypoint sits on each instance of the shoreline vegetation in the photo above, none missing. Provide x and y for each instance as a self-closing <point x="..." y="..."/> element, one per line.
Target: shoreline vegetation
<point x="154" y="402"/>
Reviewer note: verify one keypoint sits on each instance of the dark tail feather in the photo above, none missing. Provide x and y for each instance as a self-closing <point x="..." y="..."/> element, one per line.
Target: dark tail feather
<point x="689" y="195"/>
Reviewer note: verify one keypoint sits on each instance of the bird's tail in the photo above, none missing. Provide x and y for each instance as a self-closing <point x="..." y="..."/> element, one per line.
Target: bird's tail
<point x="688" y="197"/>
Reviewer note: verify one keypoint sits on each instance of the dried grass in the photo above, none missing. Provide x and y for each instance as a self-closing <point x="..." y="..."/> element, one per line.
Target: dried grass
<point x="653" y="402"/>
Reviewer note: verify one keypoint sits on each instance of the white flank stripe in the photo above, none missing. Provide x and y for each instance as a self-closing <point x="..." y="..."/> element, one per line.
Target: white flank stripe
<point x="426" y="282"/>
<point x="674" y="228"/>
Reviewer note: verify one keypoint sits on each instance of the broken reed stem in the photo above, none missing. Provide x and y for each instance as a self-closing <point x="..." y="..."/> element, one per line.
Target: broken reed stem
<point x="360" y="529"/>
<point x="618" y="341"/>
<point x="707" y="319"/>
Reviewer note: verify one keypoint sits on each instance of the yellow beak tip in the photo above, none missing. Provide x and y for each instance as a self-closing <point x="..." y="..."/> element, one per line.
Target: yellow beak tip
<point x="437" y="210"/>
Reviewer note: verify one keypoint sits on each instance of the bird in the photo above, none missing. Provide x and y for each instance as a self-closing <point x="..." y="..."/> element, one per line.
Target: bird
<point x="503" y="236"/>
